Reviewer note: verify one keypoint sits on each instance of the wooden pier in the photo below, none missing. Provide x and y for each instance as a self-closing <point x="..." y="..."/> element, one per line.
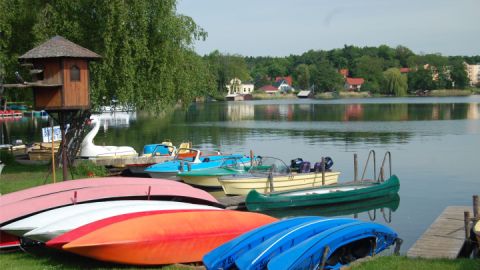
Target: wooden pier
<point x="233" y="202"/>
<point x="121" y="162"/>
<point x="445" y="237"/>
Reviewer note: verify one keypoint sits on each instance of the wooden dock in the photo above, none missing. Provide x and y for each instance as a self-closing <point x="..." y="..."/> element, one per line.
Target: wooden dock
<point x="233" y="202"/>
<point x="121" y="162"/>
<point x="444" y="238"/>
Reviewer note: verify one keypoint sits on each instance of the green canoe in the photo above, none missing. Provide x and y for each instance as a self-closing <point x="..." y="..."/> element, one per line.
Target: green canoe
<point x="334" y="194"/>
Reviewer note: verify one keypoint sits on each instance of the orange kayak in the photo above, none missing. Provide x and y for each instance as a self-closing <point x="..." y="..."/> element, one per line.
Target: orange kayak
<point x="180" y="237"/>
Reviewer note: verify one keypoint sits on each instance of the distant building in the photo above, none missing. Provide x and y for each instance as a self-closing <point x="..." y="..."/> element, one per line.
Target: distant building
<point x="473" y="72"/>
<point x="237" y="87"/>
<point x="404" y="70"/>
<point x="344" y="72"/>
<point x="269" y="89"/>
<point x="353" y="84"/>
<point x="281" y="85"/>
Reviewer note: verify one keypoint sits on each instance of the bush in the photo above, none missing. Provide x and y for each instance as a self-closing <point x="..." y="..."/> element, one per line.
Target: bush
<point x="89" y="169"/>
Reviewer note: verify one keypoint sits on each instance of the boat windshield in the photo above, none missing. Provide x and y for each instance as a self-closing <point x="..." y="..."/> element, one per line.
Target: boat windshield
<point x="186" y="154"/>
<point x="270" y="164"/>
<point x="235" y="163"/>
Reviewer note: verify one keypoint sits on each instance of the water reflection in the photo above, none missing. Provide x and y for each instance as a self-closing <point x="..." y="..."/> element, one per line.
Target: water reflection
<point x="381" y="207"/>
<point x="116" y="119"/>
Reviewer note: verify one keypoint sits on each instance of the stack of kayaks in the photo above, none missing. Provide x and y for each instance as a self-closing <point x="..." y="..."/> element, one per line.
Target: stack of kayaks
<point x="151" y="222"/>
<point x="17" y="205"/>
<point x="302" y="243"/>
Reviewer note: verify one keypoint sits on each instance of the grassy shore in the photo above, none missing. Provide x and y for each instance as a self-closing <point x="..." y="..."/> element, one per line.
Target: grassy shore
<point x="16" y="177"/>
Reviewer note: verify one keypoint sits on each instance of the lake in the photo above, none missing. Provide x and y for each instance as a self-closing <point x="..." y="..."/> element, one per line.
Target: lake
<point x="435" y="144"/>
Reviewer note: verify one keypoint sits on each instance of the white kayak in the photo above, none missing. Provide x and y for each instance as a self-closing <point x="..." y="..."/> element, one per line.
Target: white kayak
<point x="22" y="226"/>
<point x="66" y="222"/>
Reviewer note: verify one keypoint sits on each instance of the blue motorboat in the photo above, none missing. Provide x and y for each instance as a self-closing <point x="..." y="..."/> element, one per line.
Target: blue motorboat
<point x="259" y="256"/>
<point x="224" y="256"/>
<point x="192" y="159"/>
<point x="345" y="244"/>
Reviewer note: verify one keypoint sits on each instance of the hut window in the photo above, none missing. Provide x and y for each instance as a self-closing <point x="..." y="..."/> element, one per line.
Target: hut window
<point x="74" y="73"/>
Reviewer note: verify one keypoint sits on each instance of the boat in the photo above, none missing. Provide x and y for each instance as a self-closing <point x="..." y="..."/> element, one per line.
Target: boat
<point x="224" y="256"/>
<point x="78" y="184"/>
<point x="25" y="225"/>
<point x="345" y="243"/>
<point x="89" y="150"/>
<point x="182" y="237"/>
<point x="164" y="149"/>
<point x="163" y="189"/>
<point x="385" y="204"/>
<point x="259" y="256"/>
<point x="63" y="222"/>
<point x="209" y="177"/>
<point x="334" y="194"/>
<point x="190" y="160"/>
<point x="283" y="177"/>
<point x="69" y="236"/>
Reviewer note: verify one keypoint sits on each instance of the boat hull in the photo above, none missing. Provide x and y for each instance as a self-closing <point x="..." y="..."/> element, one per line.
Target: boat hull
<point x="166" y="238"/>
<point x="243" y="185"/>
<point x="202" y="181"/>
<point x="322" y="196"/>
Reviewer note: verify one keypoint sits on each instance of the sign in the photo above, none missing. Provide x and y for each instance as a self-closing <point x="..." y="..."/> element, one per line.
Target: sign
<point x="47" y="134"/>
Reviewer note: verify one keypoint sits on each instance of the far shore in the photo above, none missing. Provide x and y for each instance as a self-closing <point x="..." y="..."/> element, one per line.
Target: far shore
<point x="342" y="94"/>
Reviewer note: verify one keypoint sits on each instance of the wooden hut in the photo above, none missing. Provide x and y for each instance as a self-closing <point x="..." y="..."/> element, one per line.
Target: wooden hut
<point x="60" y="76"/>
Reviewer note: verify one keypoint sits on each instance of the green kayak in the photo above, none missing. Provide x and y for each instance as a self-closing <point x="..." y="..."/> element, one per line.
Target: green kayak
<point x="327" y="195"/>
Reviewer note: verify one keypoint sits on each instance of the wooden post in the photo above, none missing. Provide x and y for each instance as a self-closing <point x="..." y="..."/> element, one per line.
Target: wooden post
<point x="64" y="146"/>
<point x="355" y="167"/>
<point x="54" y="176"/>
<point x="270" y="181"/>
<point x="324" y="257"/>
<point x="466" y="220"/>
<point x="251" y="158"/>
<point x="475" y="207"/>
<point x="189" y="166"/>
<point x="323" y="171"/>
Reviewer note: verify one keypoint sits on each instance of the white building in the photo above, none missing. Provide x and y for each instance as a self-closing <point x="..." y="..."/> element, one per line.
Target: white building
<point x="237" y="87"/>
<point x="473" y="72"/>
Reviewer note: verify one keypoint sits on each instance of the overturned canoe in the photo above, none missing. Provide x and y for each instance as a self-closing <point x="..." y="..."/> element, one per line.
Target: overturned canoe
<point x="224" y="256"/>
<point x="166" y="238"/>
<point x="345" y="244"/>
<point x="341" y="193"/>
<point x="163" y="189"/>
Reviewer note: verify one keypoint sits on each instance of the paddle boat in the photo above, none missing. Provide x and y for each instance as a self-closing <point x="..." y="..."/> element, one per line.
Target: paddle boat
<point x="190" y="160"/>
<point x="327" y="195"/>
<point x="209" y="177"/>
<point x="165" y="149"/>
<point x="89" y="150"/>
<point x="272" y="174"/>
<point x="179" y="237"/>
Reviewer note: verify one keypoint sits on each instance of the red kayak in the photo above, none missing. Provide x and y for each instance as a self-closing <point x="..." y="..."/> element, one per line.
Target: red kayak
<point x="68" y="237"/>
<point x="167" y="238"/>
<point x="162" y="189"/>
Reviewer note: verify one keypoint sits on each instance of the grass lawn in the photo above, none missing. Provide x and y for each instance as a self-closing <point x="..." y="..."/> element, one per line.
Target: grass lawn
<point x="16" y="177"/>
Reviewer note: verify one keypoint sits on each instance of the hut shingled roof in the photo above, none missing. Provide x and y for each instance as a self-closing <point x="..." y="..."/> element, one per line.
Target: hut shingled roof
<point x="59" y="47"/>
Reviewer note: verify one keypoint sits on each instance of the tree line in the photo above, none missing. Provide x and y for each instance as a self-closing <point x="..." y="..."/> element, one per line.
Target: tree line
<point x="148" y="59"/>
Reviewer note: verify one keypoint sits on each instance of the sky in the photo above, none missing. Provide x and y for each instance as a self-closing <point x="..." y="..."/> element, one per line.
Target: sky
<point x="285" y="27"/>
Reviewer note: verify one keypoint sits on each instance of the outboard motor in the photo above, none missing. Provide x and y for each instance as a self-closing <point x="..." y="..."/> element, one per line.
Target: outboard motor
<point x="305" y="167"/>
<point x="328" y="164"/>
<point x="295" y="164"/>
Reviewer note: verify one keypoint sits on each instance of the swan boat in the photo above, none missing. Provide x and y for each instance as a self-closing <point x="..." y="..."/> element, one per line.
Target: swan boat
<point x="90" y="150"/>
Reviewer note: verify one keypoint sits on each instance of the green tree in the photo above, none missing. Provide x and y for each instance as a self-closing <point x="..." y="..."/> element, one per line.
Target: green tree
<point x="302" y="75"/>
<point x="369" y="68"/>
<point x="394" y="82"/>
<point x="326" y="77"/>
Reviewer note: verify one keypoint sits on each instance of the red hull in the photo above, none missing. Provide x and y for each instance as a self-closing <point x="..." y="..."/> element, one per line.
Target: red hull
<point x="165" y="238"/>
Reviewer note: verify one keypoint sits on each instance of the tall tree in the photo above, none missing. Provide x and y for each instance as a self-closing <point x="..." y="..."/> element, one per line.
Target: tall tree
<point x="394" y="82"/>
<point x="369" y="68"/>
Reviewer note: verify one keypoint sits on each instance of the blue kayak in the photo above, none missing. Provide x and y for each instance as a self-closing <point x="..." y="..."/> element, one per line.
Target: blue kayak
<point x="346" y="243"/>
<point x="259" y="256"/>
<point x="196" y="161"/>
<point x="224" y="256"/>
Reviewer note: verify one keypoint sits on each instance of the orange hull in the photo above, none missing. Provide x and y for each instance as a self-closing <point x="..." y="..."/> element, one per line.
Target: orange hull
<point x="165" y="238"/>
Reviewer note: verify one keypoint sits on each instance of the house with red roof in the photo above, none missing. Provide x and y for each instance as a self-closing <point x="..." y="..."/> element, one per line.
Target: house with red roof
<point x="269" y="89"/>
<point x="353" y="84"/>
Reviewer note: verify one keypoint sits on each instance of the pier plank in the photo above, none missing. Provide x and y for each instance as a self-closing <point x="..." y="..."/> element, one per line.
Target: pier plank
<point x="444" y="238"/>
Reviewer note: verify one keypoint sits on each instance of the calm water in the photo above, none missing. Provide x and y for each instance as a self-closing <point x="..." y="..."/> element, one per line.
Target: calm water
<point x="435" y="143"/>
